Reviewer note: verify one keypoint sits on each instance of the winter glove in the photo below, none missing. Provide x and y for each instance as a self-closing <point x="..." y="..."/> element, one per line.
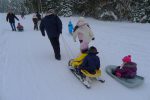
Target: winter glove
<point x="93" y="38"/>
<point x="118" y="74"/>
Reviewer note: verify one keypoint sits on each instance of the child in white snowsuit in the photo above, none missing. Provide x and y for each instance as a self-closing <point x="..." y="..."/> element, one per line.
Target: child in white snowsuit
<point x="83" y="31"/>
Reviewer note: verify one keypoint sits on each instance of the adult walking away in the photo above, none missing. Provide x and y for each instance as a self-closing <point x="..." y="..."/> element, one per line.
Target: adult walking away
<point x="83" y="31"/>
<point x="11" y="18"/>
<point x="53" y="26"/>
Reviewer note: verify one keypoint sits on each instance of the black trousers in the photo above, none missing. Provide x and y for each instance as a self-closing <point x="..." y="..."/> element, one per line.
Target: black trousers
<point x="13" y="26"/>
<point x="56" y="46"/>
<point x="35" y="26"/>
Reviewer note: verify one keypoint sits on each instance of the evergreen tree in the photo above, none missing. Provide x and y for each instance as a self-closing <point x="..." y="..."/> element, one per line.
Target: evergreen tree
<point x="138" y="10"/>
<point x="28" y="6"/>
<point x="79" y="7"/>
<point x="131" y="10"/>
<point x="124" y="9"/>
<point x="91" y="7"/>
<point x="107" y="10"/>
<point x="146" y="17"/>
<point x="16" y="6"/>
<point x="54" y="4"/>
<point x="3" y="5"/>
<point x="66" y="8"/>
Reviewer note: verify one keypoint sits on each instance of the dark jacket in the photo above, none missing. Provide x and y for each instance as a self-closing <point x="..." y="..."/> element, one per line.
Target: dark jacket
<point x="35" y="20"/>
<point x="91" y="63"/>
<point x="11" y="17"/>
<point x="38" y="16"/>
<point x="52" y="24"/>
<point x="128" y="70"/>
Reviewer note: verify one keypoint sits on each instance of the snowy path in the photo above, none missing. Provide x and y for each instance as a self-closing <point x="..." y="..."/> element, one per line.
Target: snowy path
<point x="28" y="70"/>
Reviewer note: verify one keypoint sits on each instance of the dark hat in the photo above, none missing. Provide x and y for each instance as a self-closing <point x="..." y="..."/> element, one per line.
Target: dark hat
<point x="93" y="50"/>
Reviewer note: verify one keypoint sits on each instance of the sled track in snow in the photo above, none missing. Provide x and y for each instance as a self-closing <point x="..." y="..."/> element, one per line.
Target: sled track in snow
<point x="3" y="57"/>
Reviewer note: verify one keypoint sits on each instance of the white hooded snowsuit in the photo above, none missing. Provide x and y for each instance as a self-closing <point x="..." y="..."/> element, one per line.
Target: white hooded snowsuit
<point x="83" y="31"/>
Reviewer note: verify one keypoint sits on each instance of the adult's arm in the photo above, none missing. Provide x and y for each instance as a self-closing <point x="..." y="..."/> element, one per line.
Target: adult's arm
<point x="16" y="17"/>
<point x="42" y="28"/>
<point x="59" y="24"/>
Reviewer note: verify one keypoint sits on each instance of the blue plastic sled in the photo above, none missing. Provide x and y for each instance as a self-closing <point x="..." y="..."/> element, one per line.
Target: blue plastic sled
<point x="130" y="83"/>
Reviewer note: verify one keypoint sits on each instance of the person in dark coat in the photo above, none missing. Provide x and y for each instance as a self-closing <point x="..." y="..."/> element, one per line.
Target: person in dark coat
<point x="52" y="24"/>
<point x="35" y="21"/>
<point x="11" y="18"/>
<point x="91" y="62"/>
<point x="127" y="70"/>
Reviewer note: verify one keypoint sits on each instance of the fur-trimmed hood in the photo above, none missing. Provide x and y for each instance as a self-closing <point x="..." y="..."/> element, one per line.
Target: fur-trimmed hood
<point x="81" y="22"/>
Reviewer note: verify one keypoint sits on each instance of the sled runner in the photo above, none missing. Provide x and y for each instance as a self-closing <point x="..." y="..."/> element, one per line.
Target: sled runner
<point x="87" y="65"/>
<point x="130" y="83"/>
<point x="86" y="78"/>
<point x="81" y="79"/>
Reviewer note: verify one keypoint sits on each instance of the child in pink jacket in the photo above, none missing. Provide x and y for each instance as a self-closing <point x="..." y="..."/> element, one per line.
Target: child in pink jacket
<point x="128" y="68"/>
<point x="19" y="27"/>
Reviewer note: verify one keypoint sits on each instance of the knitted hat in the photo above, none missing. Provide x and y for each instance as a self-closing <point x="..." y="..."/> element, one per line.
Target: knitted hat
<point x="93" y="50"/>
<point x="127" y="59"/>
<point x="81" y="21"/>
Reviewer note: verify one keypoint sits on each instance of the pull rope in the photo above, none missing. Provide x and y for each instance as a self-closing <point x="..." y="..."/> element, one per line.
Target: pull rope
<point x="68" y="49"/>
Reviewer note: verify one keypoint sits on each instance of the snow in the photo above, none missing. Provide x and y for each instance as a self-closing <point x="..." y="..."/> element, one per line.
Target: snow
<point x="29" y="71"/>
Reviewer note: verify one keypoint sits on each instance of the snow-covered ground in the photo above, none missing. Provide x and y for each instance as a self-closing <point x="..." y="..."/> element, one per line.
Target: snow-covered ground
<point x="29" y="71"/>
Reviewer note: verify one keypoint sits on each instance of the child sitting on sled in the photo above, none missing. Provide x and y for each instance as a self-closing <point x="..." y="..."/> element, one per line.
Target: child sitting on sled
<point x="87" y="65"/>
<point x="19" y="27"/>
<point x="91" y="62"/>
<point x="74" y="63"/>
<point x="128" y="68"/>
